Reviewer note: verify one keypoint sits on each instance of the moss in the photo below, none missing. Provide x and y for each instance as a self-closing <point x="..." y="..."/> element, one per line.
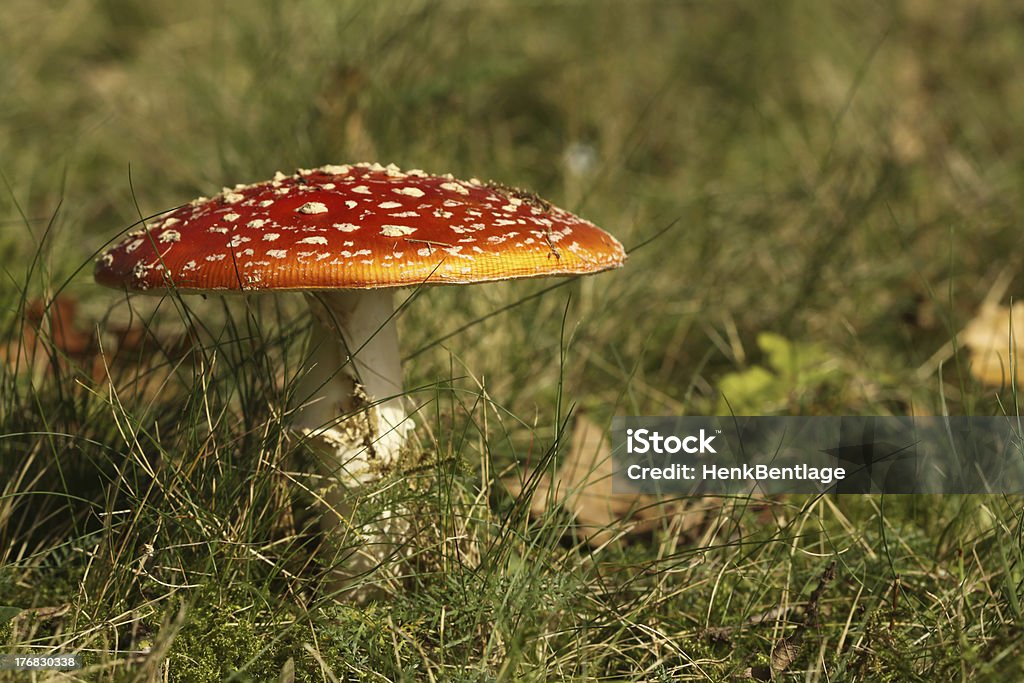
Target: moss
<point x="237" y="638"/>
<point x="221" y="638"/>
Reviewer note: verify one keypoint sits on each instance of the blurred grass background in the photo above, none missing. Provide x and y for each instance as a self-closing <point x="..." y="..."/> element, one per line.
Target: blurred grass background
<point x="847" y="177"/>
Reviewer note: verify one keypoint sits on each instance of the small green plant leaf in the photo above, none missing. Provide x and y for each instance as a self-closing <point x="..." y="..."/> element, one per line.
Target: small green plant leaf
<point x="8" y="612"/>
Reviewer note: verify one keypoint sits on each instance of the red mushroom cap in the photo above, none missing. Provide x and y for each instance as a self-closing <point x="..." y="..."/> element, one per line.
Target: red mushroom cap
<point x="357" y="227"/>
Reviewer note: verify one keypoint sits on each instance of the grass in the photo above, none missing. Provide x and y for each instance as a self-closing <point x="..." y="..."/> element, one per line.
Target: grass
<point x="845" y="178"/>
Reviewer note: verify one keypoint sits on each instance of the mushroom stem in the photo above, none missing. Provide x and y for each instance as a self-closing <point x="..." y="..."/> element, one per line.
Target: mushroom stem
<point x="349" y="397"/>
<point x="349" y="402"/>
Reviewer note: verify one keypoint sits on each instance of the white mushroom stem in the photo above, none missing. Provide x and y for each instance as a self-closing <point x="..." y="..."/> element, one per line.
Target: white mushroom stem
<point x="349" y="397"/>
<point x="349" y="403"/>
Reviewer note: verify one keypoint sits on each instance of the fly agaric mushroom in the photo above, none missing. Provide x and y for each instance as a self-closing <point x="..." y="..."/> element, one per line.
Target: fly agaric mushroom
<point x="345" y="236"/>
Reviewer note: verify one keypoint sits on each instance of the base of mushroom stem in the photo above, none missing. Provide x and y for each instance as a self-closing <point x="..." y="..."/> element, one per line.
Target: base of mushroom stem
<point x="364" y="542"/>
<point x="354" y="454"/>
<point x="368" y="557"/>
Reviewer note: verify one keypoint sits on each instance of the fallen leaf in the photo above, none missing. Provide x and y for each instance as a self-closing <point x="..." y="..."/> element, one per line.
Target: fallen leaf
<point x="51" y="341"/>
<point x="995" y="340"/>
<point x="583" y="487"/>
<point x="287" y="674"/>
<point x="55" y="341"/>
<point x="783" y="655"/>
<point x="788" y="648"/>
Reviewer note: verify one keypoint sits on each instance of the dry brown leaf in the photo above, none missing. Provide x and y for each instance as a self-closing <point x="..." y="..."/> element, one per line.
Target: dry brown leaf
<point x="788" y="648"/>
<point x="287" y="674"/>
<point x="995" y="339"/>
<point x="55" y="341"/>
<point x="51" y="341"/>
<point x="583" y="486"/>
<point x="783" y="655"/>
